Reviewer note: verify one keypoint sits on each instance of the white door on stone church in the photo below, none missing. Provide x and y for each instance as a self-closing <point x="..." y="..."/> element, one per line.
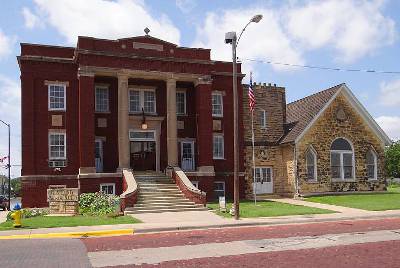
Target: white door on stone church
<point x="264" y="181"/>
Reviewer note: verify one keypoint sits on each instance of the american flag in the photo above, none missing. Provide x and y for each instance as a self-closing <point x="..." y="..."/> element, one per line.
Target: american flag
<point x="252" y="100"/>
<point x="2" y="159"/>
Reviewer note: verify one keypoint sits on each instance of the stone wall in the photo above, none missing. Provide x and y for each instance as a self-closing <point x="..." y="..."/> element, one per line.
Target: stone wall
<point x="321" y="135"/>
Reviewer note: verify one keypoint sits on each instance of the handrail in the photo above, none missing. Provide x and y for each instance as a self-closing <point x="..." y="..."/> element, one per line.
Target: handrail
<point x="129" y="196"/>
<point x="194" y="194"/>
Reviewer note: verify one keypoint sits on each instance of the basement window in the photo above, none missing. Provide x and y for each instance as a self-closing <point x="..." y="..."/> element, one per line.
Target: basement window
<point x="107" y="188"/>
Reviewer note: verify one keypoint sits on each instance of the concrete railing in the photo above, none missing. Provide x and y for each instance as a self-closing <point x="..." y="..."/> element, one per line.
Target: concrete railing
<point x="187" y="188"/>
<point x="130" y="188"/>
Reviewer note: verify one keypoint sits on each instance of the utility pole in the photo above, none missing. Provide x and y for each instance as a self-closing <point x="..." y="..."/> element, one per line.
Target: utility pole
<point x="9" y="163"/>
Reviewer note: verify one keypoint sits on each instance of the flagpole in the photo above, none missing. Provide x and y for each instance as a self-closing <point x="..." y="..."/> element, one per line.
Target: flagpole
<point x="254" y="164"/>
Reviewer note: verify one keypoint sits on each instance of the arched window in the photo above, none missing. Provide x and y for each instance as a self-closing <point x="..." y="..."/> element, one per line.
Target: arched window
<point x="311" y="163"/>
<point x="342" y="159"/>
<point x="371" y="160"/>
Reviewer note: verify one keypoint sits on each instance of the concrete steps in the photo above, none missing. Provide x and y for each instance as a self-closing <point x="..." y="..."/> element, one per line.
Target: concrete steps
<point x="158" y="193"/>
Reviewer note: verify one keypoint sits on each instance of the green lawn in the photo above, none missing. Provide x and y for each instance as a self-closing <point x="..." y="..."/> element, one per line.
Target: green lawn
<point x="267" y="209"/>
<point x="66" y="221"/>
<point x="374" y="202"/>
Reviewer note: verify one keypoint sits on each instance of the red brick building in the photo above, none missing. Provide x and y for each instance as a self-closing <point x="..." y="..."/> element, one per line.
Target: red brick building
<point x="91" y="111"/>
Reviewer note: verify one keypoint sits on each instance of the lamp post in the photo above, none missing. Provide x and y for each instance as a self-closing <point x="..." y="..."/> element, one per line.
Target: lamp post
<point x="231" y="38"/>
<point x="8" y="165"/>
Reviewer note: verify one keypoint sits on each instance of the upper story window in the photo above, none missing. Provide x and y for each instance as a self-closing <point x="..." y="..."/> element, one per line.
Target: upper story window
<point x="57" y="98"/>
<point x="102" y="99"/>
<point x="311" y="163"/>
<point x="372" y="171"/>
<point x="142" y="99"/>
<point x="57" y="146"/>
<point x="217" y="105"/>
<point x="342" y="159"/>
<point x="181" y="103"/>
<point x="218" y="146"/>
<point x="263" y="119"/>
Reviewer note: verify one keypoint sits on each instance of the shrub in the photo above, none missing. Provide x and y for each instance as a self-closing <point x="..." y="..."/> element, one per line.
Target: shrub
<point x="98" y="204"/>
<point x="30" y="213"/>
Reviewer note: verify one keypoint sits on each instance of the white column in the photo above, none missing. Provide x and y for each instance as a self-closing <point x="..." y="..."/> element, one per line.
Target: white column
<point x="123" y="118"/>
<point x="172" y="132"/>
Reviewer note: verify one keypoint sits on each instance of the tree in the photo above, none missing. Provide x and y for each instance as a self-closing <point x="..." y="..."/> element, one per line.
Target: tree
<point x="16" y="186"/>
<point x="392" y="155"/>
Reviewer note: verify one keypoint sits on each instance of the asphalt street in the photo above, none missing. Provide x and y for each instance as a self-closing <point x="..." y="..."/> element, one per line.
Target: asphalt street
<point x="362" y="243"/>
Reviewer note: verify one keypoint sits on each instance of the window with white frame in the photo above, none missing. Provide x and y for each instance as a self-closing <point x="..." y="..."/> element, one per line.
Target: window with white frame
<point x="218" y="146"/>
<point x="196" y="184"/>
<point x="219" y="188"/>
<point x="181" y="102"/>
<point x="371" y="160"/>
<point x="217" y="104"/>
<point x="57" y="98"/>
<point x="107" y="188"/>
<point x="263" y="174"/>
<point x="342" y="159"/>
<point x="101" y="99"/>
<point x="142" y="98"/>
<point x="57" y="146"/>
<point x="263" y="119"/>
<point x="311" y="163"/>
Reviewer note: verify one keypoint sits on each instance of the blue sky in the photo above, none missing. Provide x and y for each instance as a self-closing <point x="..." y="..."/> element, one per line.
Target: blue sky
<point x="347" y="34"/>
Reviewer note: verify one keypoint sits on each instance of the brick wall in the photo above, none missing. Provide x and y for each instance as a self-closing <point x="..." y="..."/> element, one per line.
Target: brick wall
<point x="321" y="136"/>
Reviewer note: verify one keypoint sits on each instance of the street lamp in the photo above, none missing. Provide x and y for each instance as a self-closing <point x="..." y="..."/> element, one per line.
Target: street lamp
<point x="231" y="38"/>
<point x="8" y="165"/>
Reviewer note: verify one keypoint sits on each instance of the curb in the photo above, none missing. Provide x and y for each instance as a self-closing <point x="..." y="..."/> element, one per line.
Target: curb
<point x="250" y="224"/>
<point x="71" y="234"/>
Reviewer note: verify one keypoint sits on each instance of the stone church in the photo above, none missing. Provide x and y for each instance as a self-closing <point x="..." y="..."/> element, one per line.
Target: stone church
<point x="324" y="143"/>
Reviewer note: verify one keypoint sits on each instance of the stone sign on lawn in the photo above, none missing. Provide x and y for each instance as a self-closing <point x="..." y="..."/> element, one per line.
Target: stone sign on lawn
<point x="62" y="200"/>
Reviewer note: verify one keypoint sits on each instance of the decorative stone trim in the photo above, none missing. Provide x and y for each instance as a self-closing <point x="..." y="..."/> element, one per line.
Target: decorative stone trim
<point x="47" y="82"/>
<point x="99" y="175"/>
<point x="130" y="188"/>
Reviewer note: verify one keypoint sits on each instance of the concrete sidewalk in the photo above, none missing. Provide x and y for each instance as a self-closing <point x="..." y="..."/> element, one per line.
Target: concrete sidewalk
<point x="3" y="216"/>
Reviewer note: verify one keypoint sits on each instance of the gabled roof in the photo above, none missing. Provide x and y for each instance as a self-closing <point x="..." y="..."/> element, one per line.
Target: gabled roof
<point x="302" y="113"/>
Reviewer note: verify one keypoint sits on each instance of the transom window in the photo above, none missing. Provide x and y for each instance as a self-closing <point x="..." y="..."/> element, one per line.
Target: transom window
<point x="263" y="174"/>
<point x="311" y="163"/>
<point x="102" y="101"/>
<point x="263" y="119"/>
<point x="342" y="159"/>
<point x="107" y="188"/>
<point x="142" y="99"/>
<point x="217" y="104"/>
<point x="371" y="165"/>
<point x="181" y="102"/>
<point x="218" y="146"/>
<point x="135" y="135"/>
<point x="57" y="97"/>
<point x="57" y="146"/>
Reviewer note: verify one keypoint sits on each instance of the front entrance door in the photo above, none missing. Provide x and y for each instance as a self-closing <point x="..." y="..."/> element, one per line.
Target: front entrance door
<point x="143" y="155"/>
<point x="99" y="155"/>
<point x="187" y="155"/>
<point x="264" y="181"/>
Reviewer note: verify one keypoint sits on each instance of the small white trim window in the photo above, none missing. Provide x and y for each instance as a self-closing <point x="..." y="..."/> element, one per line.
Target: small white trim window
<point x="311" y="164"/>
<point x="107" y="188"/>
<point x="372" y="166"/>
<point x="142" y="99"/>
<point x="342" y="160"/>
<point x="217" y="104"/>
<point x="57" y="98"/>
<point x="101" y="99"/>
<point x="219" y="188"/>
<point x="263" y="119"/>
<point x="218" y="146"/>
<point x="57" y="146"/>
<point x="180" y="102"/>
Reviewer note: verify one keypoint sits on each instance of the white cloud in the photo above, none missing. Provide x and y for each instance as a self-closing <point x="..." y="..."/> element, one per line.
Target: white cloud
<point x="10" y="112"/>
<point x="104" y="19"/>
<point x="390" y="93"/>
<point x="391" y="125"/>
<point x="6" y="44"/>
<point x="265" y="39"/>
<point x="31" y="20"/>
<point x="351" y="28"/>
<point x="186" y="5"/>
<point x="354" y="28"/>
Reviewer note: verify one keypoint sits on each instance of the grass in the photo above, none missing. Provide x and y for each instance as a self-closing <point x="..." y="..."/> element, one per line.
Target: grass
<point x="67" y="221"/>
<point x="372" y="202"/>
<point x="267" y="209"/>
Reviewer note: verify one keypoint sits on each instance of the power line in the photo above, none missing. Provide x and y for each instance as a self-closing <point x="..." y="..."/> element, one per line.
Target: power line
<point x="322" y="67"/>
